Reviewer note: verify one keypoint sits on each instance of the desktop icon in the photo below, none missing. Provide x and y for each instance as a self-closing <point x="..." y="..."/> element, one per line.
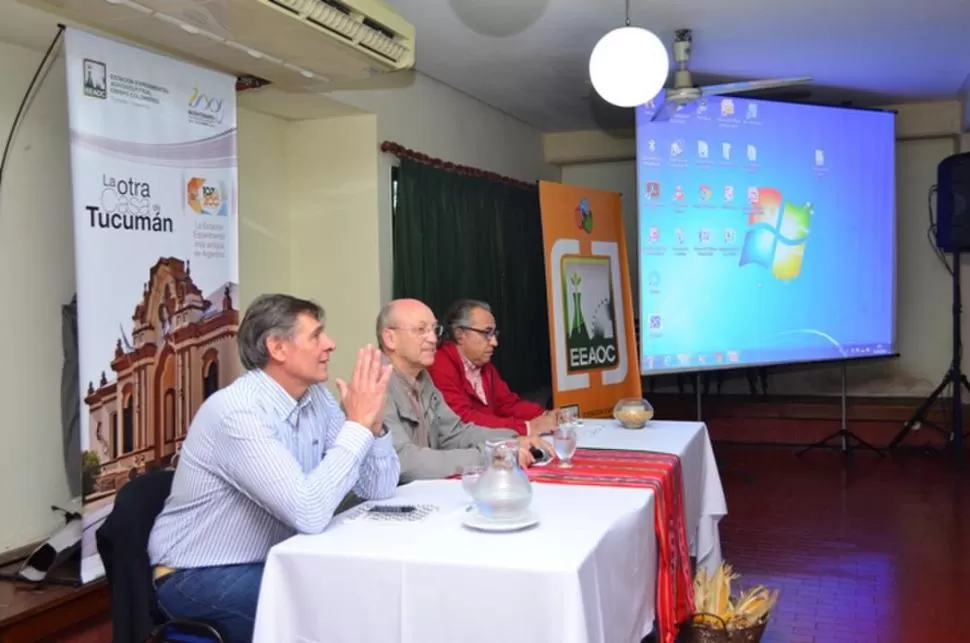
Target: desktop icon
<point x="729" y="193"/>
<point x="819" y="158"/>
<point x="752" y="111"/>
<point x="677" y="147"/>
<point x="653" y="190"/>
<point x="727" y="107"/>
<point x="753" y="196"/>
<point x="733" y="357"/>
<point x="649" y="361"/>
<point x="706" y="192"/>
<point x="726" y="151"/>
<point x="653" y="279"/>
<point x="702" y="149"/>
<point x="701" y="106"/>
<point x="777" y="234"/>
<point x="654" y="234"/>
<point x="730" y="236"/>
<point x="752" y="153"/>
<point x="719" y="357"/>
<point x="655" y="323"/>
<point x="679" y="236"/>
<point x="652" y="145"/>
<point x="704" y="236"/>
<point x="678" y="193"/>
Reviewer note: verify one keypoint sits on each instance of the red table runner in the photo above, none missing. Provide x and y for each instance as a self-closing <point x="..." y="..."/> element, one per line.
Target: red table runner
<point x="660" y="472"/>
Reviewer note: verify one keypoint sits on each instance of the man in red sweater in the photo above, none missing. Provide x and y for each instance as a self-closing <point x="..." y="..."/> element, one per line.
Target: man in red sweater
<point x="470" y="383"/>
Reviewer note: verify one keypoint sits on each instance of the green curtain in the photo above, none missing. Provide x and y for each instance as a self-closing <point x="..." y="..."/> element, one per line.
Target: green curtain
<point x="461" y="236"/>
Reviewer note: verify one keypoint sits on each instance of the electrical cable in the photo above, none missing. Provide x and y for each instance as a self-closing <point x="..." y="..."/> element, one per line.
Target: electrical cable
<point x="39" y="75"/>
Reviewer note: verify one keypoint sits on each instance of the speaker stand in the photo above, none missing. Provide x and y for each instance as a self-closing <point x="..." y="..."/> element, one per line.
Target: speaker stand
<point x="844" y="436"/>
<point x="954" y="379"/>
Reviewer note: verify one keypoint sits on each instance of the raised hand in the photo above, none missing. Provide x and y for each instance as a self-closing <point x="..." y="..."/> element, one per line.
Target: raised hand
<point x="363" y="398"/>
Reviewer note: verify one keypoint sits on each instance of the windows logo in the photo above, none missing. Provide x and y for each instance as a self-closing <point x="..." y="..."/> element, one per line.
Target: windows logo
<point x="777" y="234"/>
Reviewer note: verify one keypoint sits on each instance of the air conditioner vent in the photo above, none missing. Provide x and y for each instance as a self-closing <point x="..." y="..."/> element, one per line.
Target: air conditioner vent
<point x="297" y="45"/>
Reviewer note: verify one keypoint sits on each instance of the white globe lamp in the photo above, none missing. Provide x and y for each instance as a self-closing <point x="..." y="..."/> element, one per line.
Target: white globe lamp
<point x="628" y="66"/>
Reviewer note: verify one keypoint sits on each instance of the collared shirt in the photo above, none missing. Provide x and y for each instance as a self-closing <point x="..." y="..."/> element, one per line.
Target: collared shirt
<point x="413" y="388"/>
<point x="474" y="375"/>
<point x="258" y="467"/>
<point x="431" y="441"/>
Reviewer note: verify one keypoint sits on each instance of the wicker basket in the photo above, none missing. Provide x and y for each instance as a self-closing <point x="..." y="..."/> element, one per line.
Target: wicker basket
<point x="699" y="632"/>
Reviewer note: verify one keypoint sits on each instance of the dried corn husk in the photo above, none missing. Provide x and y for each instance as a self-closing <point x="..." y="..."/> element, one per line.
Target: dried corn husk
<point x="716" y="606"/>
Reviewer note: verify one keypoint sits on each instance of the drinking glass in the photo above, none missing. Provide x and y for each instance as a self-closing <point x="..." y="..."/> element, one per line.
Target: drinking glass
<point x="564" y="441"/>
<point x="567" y="416"/>
<point x="469" y="478"/>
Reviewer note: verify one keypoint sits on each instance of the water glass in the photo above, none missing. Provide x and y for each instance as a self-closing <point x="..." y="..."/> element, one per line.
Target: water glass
<point x="567" y="416"/>
<point x="564" y="441"/>
<point x="469" y="478"/>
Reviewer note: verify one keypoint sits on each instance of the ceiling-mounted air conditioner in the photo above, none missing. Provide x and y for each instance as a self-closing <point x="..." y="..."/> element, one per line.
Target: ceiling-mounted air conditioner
<point x="298" y="45"/>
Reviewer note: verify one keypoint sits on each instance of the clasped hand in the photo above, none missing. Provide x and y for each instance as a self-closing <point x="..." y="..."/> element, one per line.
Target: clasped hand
<point x="363" y="397"/>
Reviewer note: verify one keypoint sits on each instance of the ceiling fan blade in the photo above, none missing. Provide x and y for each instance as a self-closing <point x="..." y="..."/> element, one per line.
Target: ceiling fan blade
<point x="752" y="85"/>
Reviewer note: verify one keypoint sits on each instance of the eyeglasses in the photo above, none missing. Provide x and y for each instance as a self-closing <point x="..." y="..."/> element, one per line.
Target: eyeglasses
<point x="487" y="333"/>
<point x="423" y="329"/>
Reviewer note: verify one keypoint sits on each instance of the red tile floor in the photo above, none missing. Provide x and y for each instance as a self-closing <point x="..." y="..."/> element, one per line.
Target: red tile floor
<point x="874" y="552"/>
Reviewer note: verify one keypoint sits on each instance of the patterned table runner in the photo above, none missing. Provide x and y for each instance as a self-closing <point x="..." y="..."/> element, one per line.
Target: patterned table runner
<point x="660" y="472"/>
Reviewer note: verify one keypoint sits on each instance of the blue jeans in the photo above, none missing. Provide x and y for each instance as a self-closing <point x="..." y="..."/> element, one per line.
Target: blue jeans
<point x="224" y="597"/>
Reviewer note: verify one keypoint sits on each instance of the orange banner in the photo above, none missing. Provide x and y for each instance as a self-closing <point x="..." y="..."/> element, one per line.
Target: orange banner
<point x="594" y="351"/>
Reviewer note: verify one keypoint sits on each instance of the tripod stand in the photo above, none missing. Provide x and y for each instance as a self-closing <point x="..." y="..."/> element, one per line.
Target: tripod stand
<point x="844" y="435"/>
<point x="954" y="378"/>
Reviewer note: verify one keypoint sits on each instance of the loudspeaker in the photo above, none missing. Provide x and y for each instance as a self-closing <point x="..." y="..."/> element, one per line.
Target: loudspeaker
<point x="953" y="203"/>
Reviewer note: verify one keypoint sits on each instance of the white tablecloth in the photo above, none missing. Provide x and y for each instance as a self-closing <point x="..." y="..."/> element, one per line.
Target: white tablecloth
<point x="585" y="574"/>
<point x="704" y="503"/>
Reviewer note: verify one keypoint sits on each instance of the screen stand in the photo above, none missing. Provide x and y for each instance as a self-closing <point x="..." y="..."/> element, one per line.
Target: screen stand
<point x="844" y="436"/>
<point x="954" y="379"/>
<point x="697" y="389"/>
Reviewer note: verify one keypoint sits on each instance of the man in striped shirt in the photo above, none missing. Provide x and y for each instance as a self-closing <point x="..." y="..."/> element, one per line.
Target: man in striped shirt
<point x="269" y="456"/>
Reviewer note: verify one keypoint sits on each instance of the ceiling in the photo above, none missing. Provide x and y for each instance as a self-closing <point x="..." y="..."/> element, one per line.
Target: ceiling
<point x="34" y="29"/>
<point x="529" y="57"/>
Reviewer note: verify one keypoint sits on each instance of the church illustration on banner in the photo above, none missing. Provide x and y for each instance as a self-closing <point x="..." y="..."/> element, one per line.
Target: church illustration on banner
<point x="182" y="350"/>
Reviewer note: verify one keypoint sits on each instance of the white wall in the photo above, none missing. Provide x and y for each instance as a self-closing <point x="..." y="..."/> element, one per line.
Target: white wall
<point x="923" y="284"/>
<point x="335" y="256"/>
<point x="435" y="119"/>
<point x="36" y="279"/>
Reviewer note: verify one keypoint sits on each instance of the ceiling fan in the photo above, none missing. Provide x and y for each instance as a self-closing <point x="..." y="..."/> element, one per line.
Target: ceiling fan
<point x="683" y="92"/>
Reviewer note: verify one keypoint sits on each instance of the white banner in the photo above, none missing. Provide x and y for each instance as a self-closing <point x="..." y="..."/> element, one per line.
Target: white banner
<point x="153" y="165"/>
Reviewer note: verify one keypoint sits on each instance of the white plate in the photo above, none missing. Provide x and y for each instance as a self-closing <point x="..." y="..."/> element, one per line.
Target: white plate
<point x="474" y="520"/>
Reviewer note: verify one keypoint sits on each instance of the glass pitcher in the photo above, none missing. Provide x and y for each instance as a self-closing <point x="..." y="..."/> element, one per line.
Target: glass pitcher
<point x="504" y="491"/>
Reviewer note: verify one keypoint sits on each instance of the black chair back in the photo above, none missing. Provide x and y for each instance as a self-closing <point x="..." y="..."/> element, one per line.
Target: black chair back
<point x="123" y="545"/>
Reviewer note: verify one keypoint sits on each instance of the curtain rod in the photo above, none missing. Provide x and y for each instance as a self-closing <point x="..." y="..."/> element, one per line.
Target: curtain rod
<point x="400" y="151"/>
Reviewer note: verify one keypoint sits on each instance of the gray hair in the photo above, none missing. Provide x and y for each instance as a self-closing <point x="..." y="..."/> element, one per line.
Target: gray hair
<point x="268" y="316"/>
<point x="384" y="321"/>
<point x="460" y="315"/>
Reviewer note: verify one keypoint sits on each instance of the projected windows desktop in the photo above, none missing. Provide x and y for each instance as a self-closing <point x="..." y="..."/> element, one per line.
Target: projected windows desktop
<point x="767" y="234"/>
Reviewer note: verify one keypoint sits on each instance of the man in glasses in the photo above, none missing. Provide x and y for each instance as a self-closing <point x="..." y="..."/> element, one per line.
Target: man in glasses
<point x="431" y="441"/>
<point x="470" y="383"/>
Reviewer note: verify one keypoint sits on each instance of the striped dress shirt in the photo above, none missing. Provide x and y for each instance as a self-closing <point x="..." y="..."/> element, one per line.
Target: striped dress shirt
<point x="258" y="467"/>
